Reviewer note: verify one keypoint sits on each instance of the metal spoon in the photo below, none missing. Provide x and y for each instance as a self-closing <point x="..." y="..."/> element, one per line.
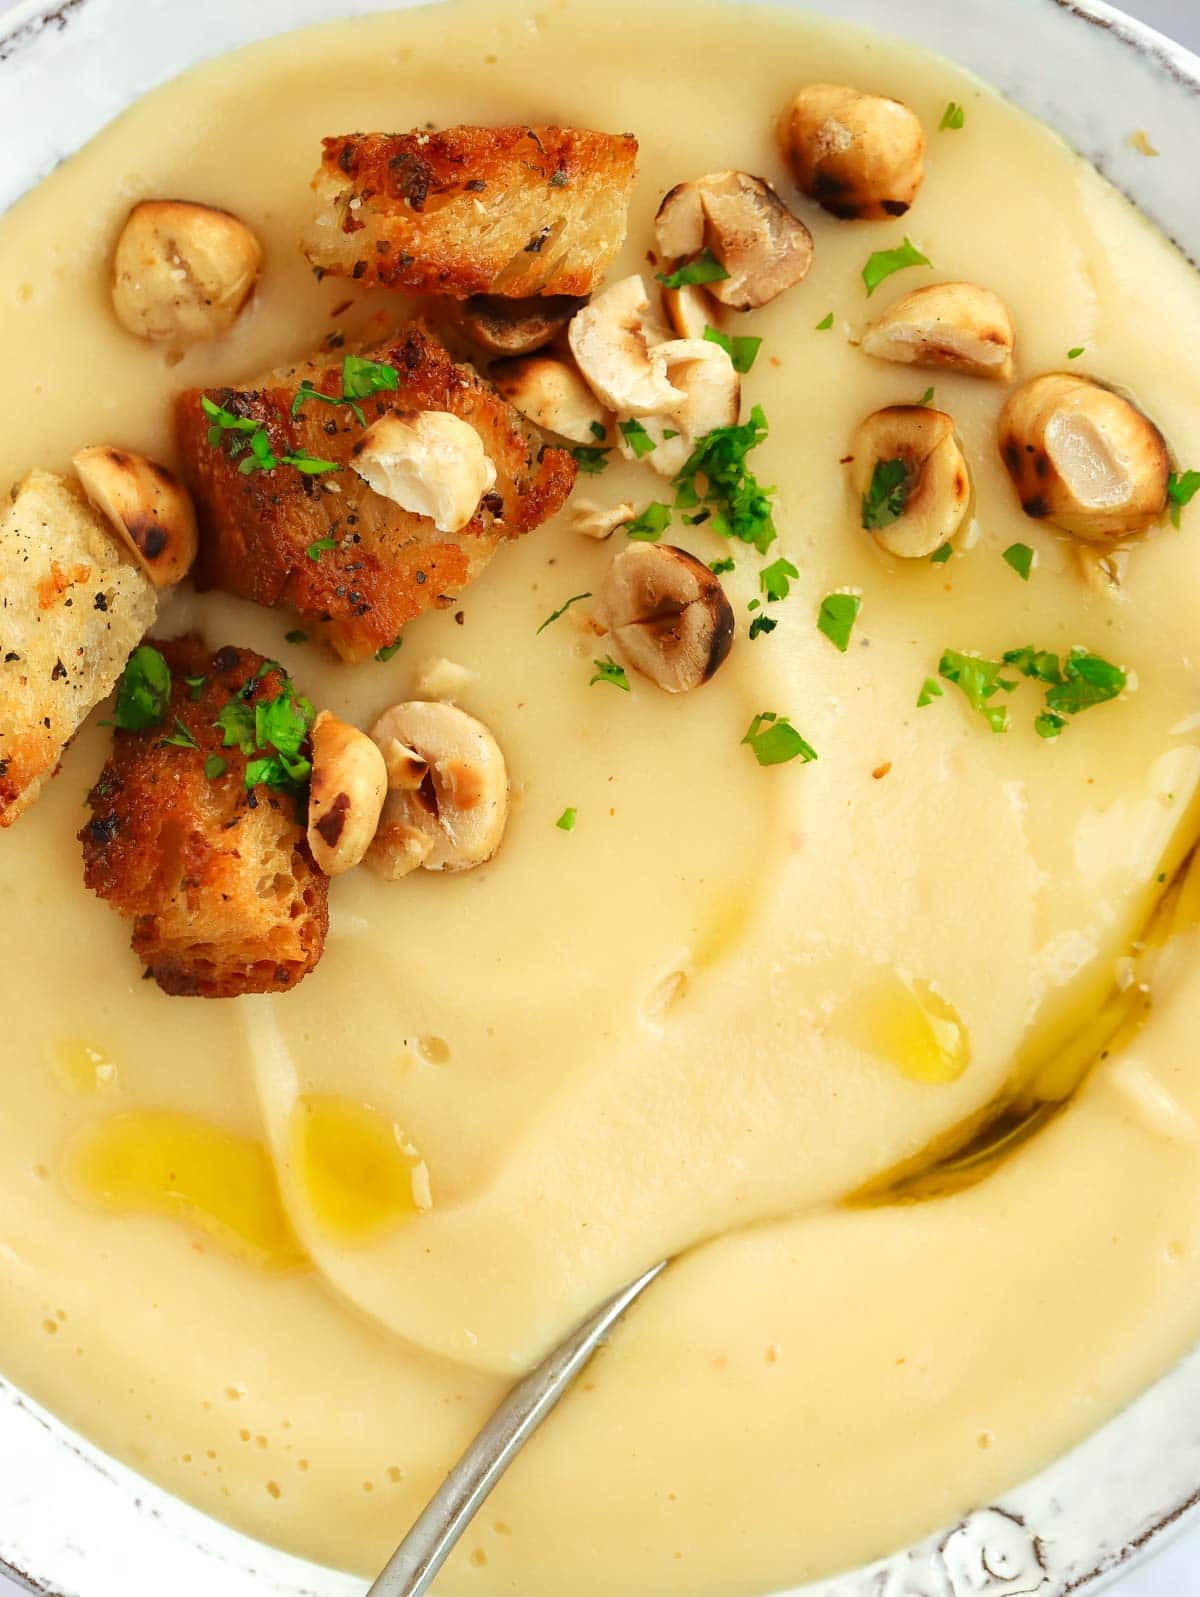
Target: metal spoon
<point x="453" y="1506"/>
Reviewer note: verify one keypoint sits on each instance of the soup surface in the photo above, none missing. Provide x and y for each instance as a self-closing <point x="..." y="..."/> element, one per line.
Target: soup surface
<point x="285" y="1254"/>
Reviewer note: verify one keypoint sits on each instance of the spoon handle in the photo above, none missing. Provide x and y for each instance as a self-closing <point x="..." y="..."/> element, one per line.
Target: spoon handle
<point x="454" y="1505"/>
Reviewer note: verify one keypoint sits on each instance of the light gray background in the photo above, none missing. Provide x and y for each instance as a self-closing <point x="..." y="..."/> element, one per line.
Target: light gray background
<point x="1176" y="1571"/>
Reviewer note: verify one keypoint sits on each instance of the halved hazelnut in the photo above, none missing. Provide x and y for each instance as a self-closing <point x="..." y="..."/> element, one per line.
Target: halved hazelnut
<point x="148" y="506"/>
<point x="598" y="521"/>
<point x="703" y="373"/>
<point x="612" y="339"/>
<point x="345" y="797"/>
<point x="516" y="326"/>
<point x="1084" y="458"/>
<point x="688" y="309"/>
<point x="744" y="224"/>
<point x="932" y="497"/>
<point x="668" y="615"/>
<point x="426" y="461"/>
<point x="553" y="396"/>
<point x="182" y="272"/>
<point x="859" y="155"/>
<point x="448" y="803"/>
<point x="956" y="325"/>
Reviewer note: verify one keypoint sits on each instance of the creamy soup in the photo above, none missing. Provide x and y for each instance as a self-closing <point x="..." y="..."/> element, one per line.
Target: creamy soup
<point x="285" y="1254"/>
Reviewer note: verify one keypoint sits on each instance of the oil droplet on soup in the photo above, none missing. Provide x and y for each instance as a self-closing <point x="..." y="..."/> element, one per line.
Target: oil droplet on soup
<point x="908" y="1023"/>
<point x="354" y="1167"/>
<point x="187" y="1170"/>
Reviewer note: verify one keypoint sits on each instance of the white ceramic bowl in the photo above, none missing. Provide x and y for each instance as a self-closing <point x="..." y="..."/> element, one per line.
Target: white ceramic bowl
<point x="74" y="1523"/>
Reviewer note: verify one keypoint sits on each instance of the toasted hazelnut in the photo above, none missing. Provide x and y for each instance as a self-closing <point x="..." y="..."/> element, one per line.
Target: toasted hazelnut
<point x="956" y="325"/>
<point x="426" y="461"/>
<point x="454" y="817"/>
<point x="182" y="272"/>
<point x="711" y="389"/>
<point x="345" y="795"/>
<point x="553" y="396"/>
<point x="516" y="326"/>
<point x="611" y="340"/>
<point x="1084" y="458"/>
<point x="149" y="508"/>
<point x="598" y="521"/>
<point x="937" y="491"/>
<point x="688" y="309"/>
<point x="746" y="226"/>
<point x="859" y="155"/>
<point x="668" y="615"/>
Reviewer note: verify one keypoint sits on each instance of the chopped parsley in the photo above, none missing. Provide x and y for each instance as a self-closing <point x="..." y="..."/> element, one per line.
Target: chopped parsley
<point x="649" y="526"/>
<point x="389" y="650"/>
<point x="883" y="263"/>
<point x="295" y="636"/>
<point x="1074" y="354"/>
<point x="195" y="686"/>
<point x="215" y="766"/>
<point x="719" y="566"/>
<point x="609" y="671"/>
<point x="1048" y="725"/>
<point x="761" y="625"/>
<point x="1086" y="680"/>
<point x="180" y="738"/>
<point x="316" y="550"/>
<point x="743" y="352"/>
<point x="636" y="436"/>
<point x="885" y="499"/>
<point x="775" y="580"/>
<point x="1040" y="664"/>
<point x="980" y="680"/>
<point x="775" y="740"/>
<point x="1020" y="557"/>
<point x="235" y="721"/>
<point x="931" y="689"/>
<point x="825" y="323"/>
<point x="566" y="821"/>
<point x="953" y="118"/>
<point x="837" y="616"/>
<point x="590" y="460"/>
<point x="144" y="691"/>
<point x="926" y="398"/>
<point x="1182" y="488"/>
<point x="716" y="475"/>
<point x="941" y="554"/>
<point x="251" y="440"/>
<point x="362" y="378"/>
<point x="276" y="730"/>
<point x="561" y="611"/>
<point x="702" y="268"/>
<point x="598" y="430"/>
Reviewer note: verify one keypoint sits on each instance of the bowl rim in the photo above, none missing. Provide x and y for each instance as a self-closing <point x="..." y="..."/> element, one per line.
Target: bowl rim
<point x="997" y="1540"/>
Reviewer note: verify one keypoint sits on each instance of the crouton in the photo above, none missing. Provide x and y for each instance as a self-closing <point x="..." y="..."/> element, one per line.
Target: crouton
<point x="72" y="606"/>
<point x="353" y="564"/>
<point x="217" y="879"/>
<point x="513" y="211"/>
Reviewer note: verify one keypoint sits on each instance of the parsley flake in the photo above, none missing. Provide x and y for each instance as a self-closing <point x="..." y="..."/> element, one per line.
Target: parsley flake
<point x="235" y="721"/>
<point x="180" y="738"/>
<point x="144" y="691"/>
<point x="825" y="323"/>
<point x="953" y="118"/>
<point x="609" y="671"/>
<point x="561" y="611"/>
<point x="941" y="554"/>
<point x="1020" y="557"/>
<point x="316" y="550"/>
<point x="636" y="436"/>
<point x="1074" y="354"/>
<point x="702" y="268"/>
<point x="215" y="766"/>
<point x="760" y="625"/>
<point x="885" y="499"/>
<point x="295" y="636"/>
<point x="979" y="680"/>
<point x="651" y="524"/>
<point x="389" y="650"/>
<point x="566" y="821"/>
<point x="598" y="430"/>
<point x="361" y="378"/>
<point x="837" y="616"/>
<point x="195" y="686"/>
<point x="251" y="440"/>
<point x="883" y="263"/>
<point x="775" y="740"/>
<point x="1087" y="680"/>
<point x="1182" y="488"/>
<point x="590" y="460"/>
<point x="743" y="352"/>
<point x="926" y="398"/>
<point x="719" y="566"/>
<point x="716" y="475"/>
<point x="931" y="689"/>
<point x="775" y="580"/>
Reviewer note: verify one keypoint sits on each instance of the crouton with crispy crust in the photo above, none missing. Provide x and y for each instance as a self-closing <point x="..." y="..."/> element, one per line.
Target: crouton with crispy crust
<point x="218" y="880"/>
<point x="513" y="211"/>
<point x="72" y="606"/>
<point x="353" y="564"/>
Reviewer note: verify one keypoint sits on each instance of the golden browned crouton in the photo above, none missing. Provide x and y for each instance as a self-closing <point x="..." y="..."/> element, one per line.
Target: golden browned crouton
<point x="217" y="878"/>
<point x="71" y="608"/>
<point x="513" y="211"/>
<point x="352" y="563"/>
